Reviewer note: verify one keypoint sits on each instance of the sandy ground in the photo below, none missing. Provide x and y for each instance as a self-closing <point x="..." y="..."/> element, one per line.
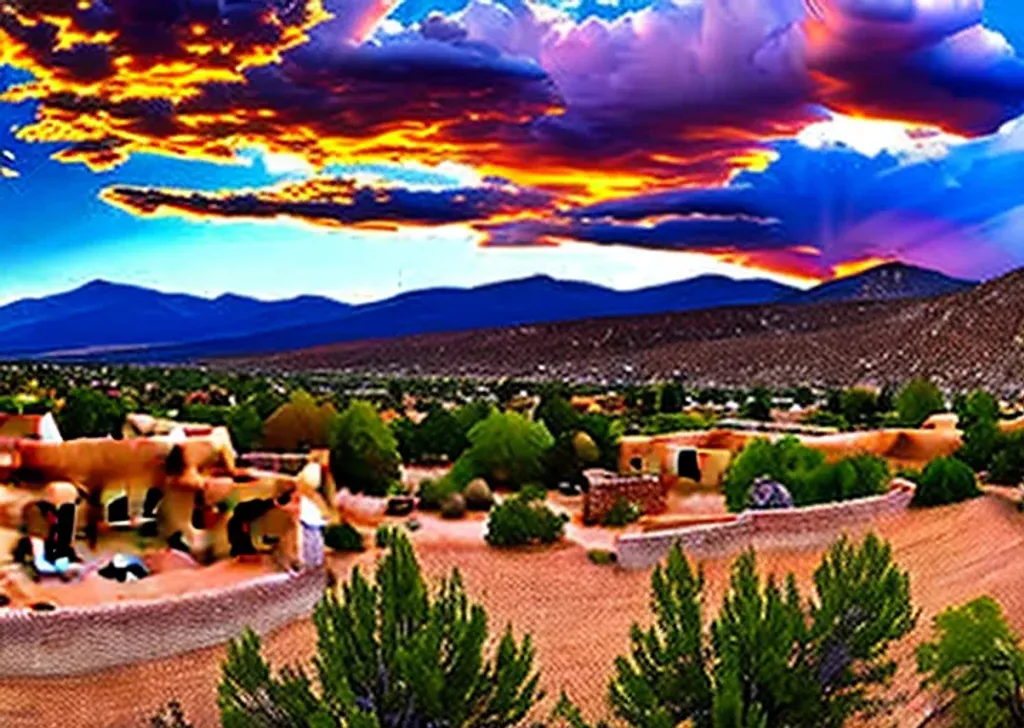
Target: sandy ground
<point x="578" y="613"/>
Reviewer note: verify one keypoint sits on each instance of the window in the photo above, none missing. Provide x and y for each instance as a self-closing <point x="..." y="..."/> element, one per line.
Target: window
<point x="637" y="464"/>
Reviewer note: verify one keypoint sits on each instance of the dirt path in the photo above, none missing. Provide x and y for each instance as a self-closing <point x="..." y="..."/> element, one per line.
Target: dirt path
<point x="578" y="613"/>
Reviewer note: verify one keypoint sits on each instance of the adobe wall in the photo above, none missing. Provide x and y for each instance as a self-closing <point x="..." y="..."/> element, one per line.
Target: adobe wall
<point x="607" y="488"/>
<point x="71" y="641"/>
<point x="785" y="528"/>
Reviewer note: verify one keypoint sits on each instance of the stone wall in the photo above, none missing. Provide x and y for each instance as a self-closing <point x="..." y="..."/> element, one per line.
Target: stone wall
<point x="607" y="488"/>
<point x="72" y="641"/>
<point x="785" y="528"/>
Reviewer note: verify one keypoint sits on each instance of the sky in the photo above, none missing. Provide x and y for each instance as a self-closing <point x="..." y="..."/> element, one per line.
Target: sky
<point x="358" y="149"/>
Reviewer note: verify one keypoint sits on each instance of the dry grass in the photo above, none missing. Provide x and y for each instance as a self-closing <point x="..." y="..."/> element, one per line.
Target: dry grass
<point x="577" y="612"/>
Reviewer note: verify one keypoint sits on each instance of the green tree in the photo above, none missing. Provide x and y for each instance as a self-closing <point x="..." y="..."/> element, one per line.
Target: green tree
<point x="441" y="436"/>
<point x="389" y="655"/>
<point x="1008" y="461"/>
<point x="557" y="415"/>
<point x="758" y="405"/>
<point x="945" y="480"/>
<point x="506" y="449"/>
<point x="918" y="401"/>
<point x="245" y="426"/>
<point x="673" y="397"/>
<point x="771" y="659"/>
<point x="89" y="413"/>
<point x="407" y="439"/>
<point x="859" y="406"/>
<point x="977" y="663"/>
<point x="661" y="423"/>
<point x="364" y="453"/>
<point x="299" y="424"/>
<point x="469" y="414"/>
<point x="859" y="476"/>
<point x="666" y="678"/>
<point x="979" y="420"/>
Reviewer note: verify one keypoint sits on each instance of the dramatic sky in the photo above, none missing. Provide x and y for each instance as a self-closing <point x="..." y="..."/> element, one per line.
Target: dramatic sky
<point x="357" y="148"/>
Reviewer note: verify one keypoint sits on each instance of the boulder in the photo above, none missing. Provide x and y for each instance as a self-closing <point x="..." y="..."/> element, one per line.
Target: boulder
<point x="766" y="494"/>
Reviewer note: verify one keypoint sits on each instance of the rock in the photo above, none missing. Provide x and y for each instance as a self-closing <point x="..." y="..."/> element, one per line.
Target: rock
<point x="478" y="495"/>
<point x="453" y="507"/>
<point x="766" y="494"/>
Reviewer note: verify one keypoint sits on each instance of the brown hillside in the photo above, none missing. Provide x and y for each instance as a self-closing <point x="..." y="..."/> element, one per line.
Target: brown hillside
<point x="963" y="340"/>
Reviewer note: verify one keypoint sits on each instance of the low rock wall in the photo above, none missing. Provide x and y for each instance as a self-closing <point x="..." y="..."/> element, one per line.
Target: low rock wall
<point x="784" y="528"/>
<point x="72" y="641"/>
<point x="606" y="489"/>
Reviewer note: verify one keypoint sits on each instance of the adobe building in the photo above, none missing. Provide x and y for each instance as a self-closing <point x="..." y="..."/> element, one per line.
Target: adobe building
<point x="700" y="459"/>
<point x="181" y="490"/>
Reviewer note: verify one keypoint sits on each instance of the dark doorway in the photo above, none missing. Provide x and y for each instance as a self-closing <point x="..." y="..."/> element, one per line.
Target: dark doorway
<point x="687" y="465"/>
<point x="637" y="464"/>
<point x="239" y="525"/>
<point x="117" y="510"/>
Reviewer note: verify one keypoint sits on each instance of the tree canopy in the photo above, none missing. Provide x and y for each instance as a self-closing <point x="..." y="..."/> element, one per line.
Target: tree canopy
<point x="299" y="424"/>
<point x="506" y="449"/>
<point x="389" y="655"/>
<point x="978" y="664"/>
<point x="769" y="658"/>
<point x="364" y="452"/>
<point x="917" y="401"/>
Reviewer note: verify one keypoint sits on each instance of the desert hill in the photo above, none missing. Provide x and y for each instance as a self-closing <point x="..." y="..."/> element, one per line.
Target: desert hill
<point x="963" y="340"/>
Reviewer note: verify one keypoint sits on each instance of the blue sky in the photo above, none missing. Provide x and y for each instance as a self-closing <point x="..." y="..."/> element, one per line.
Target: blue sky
<point x="56" y="232"/>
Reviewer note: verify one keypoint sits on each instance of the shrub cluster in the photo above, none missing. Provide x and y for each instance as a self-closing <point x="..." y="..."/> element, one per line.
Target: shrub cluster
<point x="433" y="493"/>
<point x="343" y="537"/>
<point x="945" y="480"/>
<point x="524" y="519"/>
<point x="622" y="513"/>
<point x="804" y="472"/>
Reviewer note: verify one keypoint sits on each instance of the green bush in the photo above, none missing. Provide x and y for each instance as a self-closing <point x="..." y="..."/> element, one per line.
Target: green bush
<point x="945" y="480"/>
<point x="524" y="519"/>
<point x="343" y="537"/>
<point x="478" y="495"/>
<point x="364" y="452"/>
<point x="384" y="536"/>
<point x="911" y="474"/>
<point x="1008" y="461"/>
<point x="602" y="557"/>
<point x="453" y="507"/>
<point x="433" y="493"/>
<point x="804" y="473"/>
<point x="857" y="477"/>
<point x="622" y="513"/>
<point x="918" y="401"/>
<point x="786" y="461"/>
<point x="663" y="423"/>
<point x="390" y="652"/>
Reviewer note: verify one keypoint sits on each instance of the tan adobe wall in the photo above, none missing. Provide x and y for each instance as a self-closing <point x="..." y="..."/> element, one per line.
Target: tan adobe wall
<point x="784" y="528"/>
<point x="607" y="488"/>
<point x="72" y="641"/>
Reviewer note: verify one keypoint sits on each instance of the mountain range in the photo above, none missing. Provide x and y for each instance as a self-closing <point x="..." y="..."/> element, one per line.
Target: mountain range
<point x="116" y="322"/>
<point x="971" y="339"/>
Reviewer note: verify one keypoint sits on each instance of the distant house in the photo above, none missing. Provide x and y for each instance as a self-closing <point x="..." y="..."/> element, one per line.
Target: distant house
<point x="30" y="427"/>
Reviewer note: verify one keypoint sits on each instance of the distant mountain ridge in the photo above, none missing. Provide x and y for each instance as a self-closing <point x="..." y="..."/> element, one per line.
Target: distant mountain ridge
<point x="115" y="322"/>
<point x="887" y="282"/>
